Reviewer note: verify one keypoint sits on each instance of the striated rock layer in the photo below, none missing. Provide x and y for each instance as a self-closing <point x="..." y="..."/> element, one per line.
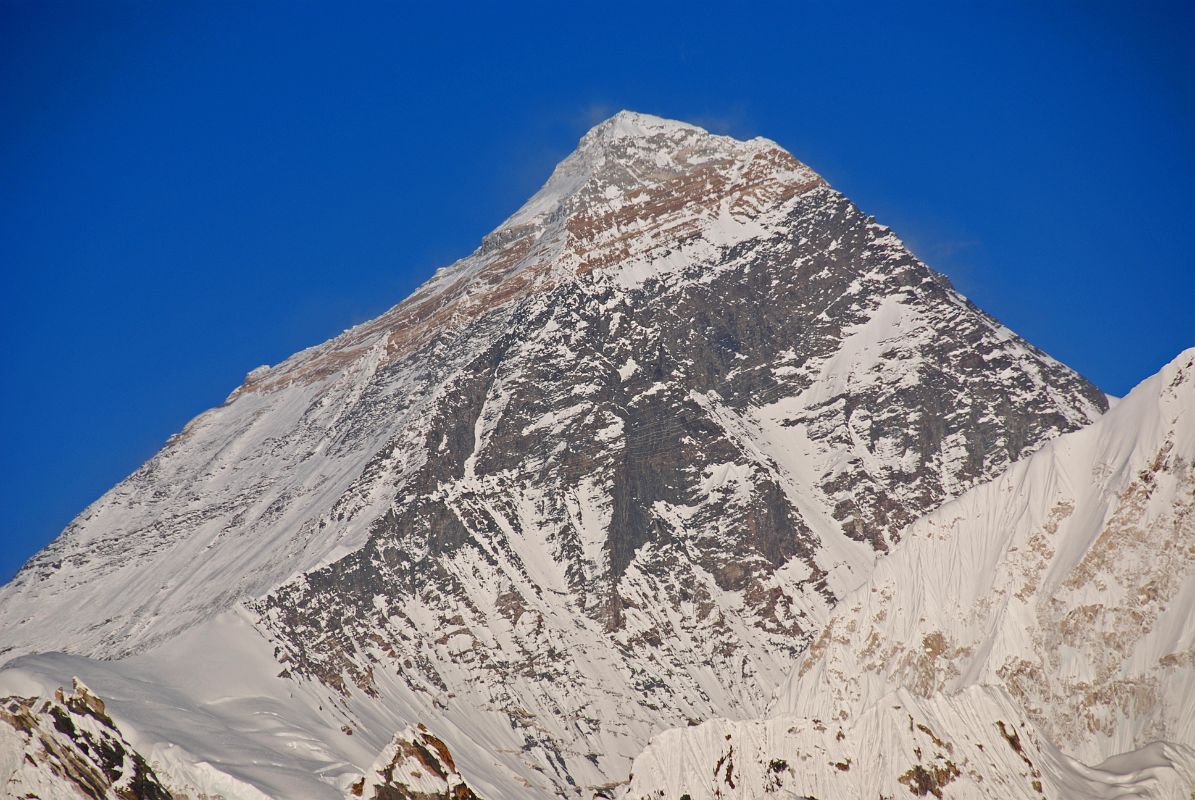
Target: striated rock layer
<point x="606" y="475"/>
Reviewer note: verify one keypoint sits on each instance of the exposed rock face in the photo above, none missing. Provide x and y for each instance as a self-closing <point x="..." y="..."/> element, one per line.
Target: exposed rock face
<point x="604" y="476"/>
<point x="68" y="747"/>
<point x="1050" y="608"/>
<point x="416" y="766"/>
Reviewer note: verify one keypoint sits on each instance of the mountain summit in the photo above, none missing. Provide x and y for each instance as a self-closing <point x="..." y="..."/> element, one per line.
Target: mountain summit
<point x="631" y="156"/>
<point x="604" y="476"/>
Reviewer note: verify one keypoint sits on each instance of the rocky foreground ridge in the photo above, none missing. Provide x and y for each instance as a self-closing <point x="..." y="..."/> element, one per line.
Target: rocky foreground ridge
<point x="68" y="747"/>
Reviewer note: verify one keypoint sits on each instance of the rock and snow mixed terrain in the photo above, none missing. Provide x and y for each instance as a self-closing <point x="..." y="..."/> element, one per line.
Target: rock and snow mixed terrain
<point x="605" y="477"/>
<point x="1047" y="610"/>
<point x="415" y="766"/>
<point x="68" y="747"/>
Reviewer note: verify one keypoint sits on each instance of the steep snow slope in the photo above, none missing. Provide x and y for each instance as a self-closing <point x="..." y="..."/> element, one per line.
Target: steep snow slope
<point x="1058" y="600"/>
<point x="972" y="745"/>
<point x="604" y="476"/>
<point x="210" y="715"/>
<point x="1070" y="580"/>
<point x="209" y="711"/>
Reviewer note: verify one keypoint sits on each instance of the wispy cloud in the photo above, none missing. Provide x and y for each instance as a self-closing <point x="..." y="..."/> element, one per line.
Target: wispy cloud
<point x="732" y="122"/>
<point x="950" y="248"/>
<point x="595" y="112"/>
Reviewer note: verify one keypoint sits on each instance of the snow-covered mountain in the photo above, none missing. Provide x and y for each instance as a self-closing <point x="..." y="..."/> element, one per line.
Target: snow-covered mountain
<point x="1048" y="610"/>
<point x="606" y="476"/>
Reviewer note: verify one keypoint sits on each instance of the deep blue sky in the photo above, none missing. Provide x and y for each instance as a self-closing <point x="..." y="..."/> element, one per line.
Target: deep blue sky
<point x="188" y="190"/>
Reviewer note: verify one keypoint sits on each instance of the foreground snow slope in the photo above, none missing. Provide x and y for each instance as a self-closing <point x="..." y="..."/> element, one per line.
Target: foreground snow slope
<point x="209" y="713"/>
<point x="972" y="745"/>
<point x="605" y="476"/>
<point x="1055" y="604"/>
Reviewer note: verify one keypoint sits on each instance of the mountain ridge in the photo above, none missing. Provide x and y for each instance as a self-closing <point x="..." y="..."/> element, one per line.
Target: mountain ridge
<point x="532" y="235"/>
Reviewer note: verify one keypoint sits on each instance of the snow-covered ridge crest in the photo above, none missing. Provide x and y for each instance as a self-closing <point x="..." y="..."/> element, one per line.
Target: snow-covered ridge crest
<point x="973" y="745"/>
<point x="1069" y="580"/>
<point x="651" y="146"/>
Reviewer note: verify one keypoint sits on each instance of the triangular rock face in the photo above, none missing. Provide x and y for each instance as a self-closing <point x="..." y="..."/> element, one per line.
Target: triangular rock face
<point x="604" y="476"/>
